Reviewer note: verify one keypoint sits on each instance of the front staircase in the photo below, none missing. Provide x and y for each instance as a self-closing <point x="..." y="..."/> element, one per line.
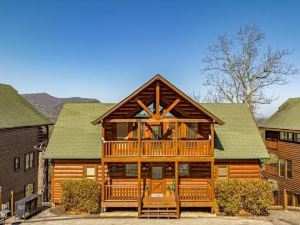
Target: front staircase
<point x="159" y="207"/>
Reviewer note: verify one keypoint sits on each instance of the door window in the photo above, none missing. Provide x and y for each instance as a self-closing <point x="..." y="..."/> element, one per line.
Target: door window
<point x="157" y="173"/>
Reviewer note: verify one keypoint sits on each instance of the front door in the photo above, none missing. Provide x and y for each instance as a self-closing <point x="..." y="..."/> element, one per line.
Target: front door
<point x="157" y="182"/>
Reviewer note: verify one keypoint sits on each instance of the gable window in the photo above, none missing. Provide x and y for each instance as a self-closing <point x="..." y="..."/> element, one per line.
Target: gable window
<point x="17" y="163"/>
<point x="286" y="136"/>
<point x="297" y="138"/>
<point x="131" y="170"/>
<point x="29" y="161"/>
<point x="192" y="130"/>
<point x="222" y="172"/>
<point x="122" y="131"/>
<point x="183" y="170"/>
<point x="289" y="168"/>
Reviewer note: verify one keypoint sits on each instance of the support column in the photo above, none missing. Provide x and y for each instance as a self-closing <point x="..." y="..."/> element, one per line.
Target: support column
<point x="177" y="190"/>
<point x="102" y="186"/>
<point x="176" y="138"/>
<point x="139" y="189"/>
<point x="212" y="148"/>
<point x="139" y="139"/>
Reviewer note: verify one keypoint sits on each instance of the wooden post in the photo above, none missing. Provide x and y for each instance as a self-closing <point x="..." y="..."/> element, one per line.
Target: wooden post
<point x="12" y="202"/>
<point x="0" y="198"/>
<point x="176" y="138"/>
<point x="177" y="189"/>
<point x="139" y="190"/>
<point x="212" y="149"/>
<point x="139" y="139"/>
<point x="102" y="185"/>
<point x="157" y="101"/>
<point x="285" y="199"/>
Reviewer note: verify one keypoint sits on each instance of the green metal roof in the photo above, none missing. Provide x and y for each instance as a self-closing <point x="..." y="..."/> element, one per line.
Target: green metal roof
<point x="239" y="137"/>
<point x="75" y="137"/>
<point x="15" y="111"/>
<point x="287" y="116"/>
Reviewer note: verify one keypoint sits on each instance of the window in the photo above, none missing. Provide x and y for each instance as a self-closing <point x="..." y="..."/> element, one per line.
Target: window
<point x="91" y="172"/>
<point x="286" y="136"/>
<point x="131" y="170"/>
<point x="183" y="170"/>
<point x="297" y="138"/>
<point x="16" y="163"/>
<point x="271" y="135"/>
<point x="29" y="161"/>
<point x="192" y="130"/>
<point x="122" y="131"/>
<point x="222" y="172"/>
<point x="289" y="169"/>
<point x="282" y="166"/>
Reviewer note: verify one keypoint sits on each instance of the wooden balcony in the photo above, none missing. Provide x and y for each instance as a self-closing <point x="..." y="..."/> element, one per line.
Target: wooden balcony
<point x="271" y="170"/>
<point x="157" y="148"/>
<point x="271" y="144"/>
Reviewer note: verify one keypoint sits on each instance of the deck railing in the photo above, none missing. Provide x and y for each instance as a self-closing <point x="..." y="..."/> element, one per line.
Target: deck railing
<point x="157" y="148"/>
<point x="271" y="170"/>
<point x="195" y="192"/>
<point x="194" y="148"/>
<point x="121" y="192"/>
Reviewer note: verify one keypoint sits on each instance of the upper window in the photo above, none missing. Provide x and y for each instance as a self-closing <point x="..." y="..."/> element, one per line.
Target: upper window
<point x="183" y="170"/>
<point x="297" y="138"/>
<point x="282" y="167"/>
<point x="289" y="169"/>
<point x="192" y="130"/>
<point x="17" y="163"/>
<point x="222" y="172"/>
<point x="271" y="135"/>
<point x="29" y="161"/>
<point x="286" y="136"/>
<point x="122" y="131"/>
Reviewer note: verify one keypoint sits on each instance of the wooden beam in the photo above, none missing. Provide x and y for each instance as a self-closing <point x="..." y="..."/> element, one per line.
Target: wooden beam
<point x="150" y="120"/>
<point x="157" y="100"/>
<point x="170" y="107"/>
<point x="151" y="114"/>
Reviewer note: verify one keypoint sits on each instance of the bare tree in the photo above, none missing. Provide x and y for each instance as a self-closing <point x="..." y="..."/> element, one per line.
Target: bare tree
<point x="239" y="69"/>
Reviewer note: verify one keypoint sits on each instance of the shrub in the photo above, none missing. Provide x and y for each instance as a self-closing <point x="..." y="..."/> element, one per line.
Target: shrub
<point x="80" y="196"/>
<point x="237" y="195"/>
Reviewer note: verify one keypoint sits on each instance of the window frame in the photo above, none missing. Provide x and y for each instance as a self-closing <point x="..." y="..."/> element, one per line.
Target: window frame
<point x="31" y="161"/>
<point x="223" y="176"/>
<point x="287" y="169"/>
<point x="291" y="139"/>
<point x="131" y="175"/>
<point x="180" y="170"/>
<point x="280" y="168"/>
<point x="296" y="140"/>
<point x="19" y="163"/>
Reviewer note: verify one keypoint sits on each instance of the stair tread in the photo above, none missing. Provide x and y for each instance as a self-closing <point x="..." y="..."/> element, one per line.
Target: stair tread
<point x="158" y="215"/>
<point x="159" y="210"/>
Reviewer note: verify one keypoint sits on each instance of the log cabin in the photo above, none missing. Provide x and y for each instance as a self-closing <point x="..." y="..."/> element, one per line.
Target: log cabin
<point x="282" y="138"/>
<point x="22" y="131"/>
<point x="157" y="150"/>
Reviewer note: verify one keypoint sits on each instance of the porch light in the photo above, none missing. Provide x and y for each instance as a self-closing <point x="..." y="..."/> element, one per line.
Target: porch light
<point x="144" y="168"/>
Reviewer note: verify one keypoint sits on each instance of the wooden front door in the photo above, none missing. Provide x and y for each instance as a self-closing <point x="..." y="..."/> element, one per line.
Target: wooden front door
<point x="157" y="182"/>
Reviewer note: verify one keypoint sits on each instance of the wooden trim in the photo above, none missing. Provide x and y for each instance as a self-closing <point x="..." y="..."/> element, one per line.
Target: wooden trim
<point x="151" y="120"/>
<point x="279" y="130"/>
<point x="157" y="100"/>
<point x="170" y="107"/>
<point x="145" y="108"/>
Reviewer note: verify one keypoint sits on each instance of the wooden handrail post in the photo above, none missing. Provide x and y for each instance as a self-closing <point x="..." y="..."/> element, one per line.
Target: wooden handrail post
<point x="102" y="185"/>
<point x="177" y="188"/>
<point x="176" y="138"/>
<point x="139" y="139"/>
<point x="139" y="189"/>
<point x="12" y="202"/>
<point x="285" y="199"/>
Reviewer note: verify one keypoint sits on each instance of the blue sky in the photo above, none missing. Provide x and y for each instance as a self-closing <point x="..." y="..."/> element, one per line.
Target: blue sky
<point x="107" y="49"/>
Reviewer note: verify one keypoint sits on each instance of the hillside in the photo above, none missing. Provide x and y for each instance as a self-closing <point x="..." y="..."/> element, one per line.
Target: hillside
<point x="50" y="106"/>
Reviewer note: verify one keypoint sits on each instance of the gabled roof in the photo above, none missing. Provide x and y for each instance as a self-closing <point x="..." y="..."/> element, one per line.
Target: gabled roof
<point x="15" y="111"/>
<point x="238" y="138"/>
<point x="167" y="83"/>
<point x="287" y="116"/>
<point x="74" y="137"/>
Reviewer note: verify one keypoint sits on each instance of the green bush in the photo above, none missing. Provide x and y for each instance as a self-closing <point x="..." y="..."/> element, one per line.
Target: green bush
<point x="236" y="195"/>
<point x="80" y="196"/>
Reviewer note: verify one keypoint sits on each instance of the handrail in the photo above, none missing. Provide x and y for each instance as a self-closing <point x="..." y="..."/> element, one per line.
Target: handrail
<point x="195" y="192"/>
<point x="121" y="192"/>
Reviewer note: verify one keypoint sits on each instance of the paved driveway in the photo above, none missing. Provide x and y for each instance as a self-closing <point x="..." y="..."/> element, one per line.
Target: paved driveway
<point x="276" y="218"/>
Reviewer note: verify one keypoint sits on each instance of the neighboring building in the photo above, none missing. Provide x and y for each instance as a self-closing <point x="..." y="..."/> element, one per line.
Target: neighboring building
<point x="282" y="138"/>
<point x="22" y="131"/>
<point x="157" y="150"/>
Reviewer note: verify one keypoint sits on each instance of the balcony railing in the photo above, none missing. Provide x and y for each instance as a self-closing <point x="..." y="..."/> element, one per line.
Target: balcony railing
<point x="121" y="192"/>
<point x="195" y="192"/>
<point x="271" y="170"/>
<point x="157" y="148"/>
